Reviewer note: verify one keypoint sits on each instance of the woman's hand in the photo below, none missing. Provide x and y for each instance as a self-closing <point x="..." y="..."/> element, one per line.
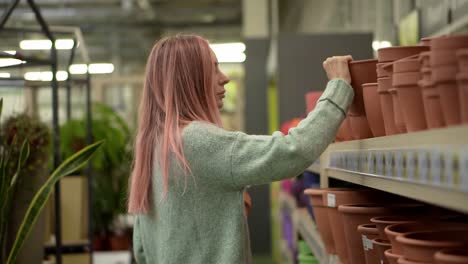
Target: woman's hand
<point x="337" y="68"/>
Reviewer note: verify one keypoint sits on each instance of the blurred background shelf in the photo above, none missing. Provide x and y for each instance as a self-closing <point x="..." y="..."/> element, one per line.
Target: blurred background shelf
<point x="308" y="231"/>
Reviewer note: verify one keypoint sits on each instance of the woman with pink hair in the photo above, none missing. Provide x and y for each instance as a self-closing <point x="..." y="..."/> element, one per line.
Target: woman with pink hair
<point x="189" y="174"/>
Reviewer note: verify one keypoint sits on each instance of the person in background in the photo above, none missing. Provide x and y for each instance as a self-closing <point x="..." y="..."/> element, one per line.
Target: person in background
<point x="189" y="174"/>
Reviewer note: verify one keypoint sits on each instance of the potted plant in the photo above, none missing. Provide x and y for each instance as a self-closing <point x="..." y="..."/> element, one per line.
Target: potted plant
<point x="11" y="167"/>
<point x="111" y="168"/>
<point x="14" y="131"/>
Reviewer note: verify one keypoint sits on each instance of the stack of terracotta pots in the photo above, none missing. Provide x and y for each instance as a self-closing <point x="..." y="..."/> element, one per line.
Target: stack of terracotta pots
<point x="418" y="88"/>
<point x="393" y="114"/>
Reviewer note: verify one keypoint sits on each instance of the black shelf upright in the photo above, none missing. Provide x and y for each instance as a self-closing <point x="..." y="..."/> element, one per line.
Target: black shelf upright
<point x="58" y="248"/>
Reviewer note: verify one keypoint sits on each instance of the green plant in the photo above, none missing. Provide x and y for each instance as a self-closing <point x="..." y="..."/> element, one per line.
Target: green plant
<point x="111" y="164"/>
<point x="8" y="183"/>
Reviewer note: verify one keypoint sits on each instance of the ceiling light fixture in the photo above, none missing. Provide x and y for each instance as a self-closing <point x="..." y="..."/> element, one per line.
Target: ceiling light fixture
<point x="5" y="75"/>
<point x="45" y="76"/>
<point x="45" y="44"/>
<point x="10" y="62"/>
<point x="229" y="52"/>
<point x="94" y="68"/>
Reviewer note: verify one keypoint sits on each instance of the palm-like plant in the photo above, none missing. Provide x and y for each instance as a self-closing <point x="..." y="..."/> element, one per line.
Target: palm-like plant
<point x="7" y="186"/>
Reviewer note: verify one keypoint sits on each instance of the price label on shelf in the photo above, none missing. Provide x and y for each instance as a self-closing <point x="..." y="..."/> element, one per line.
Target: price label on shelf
<point x="423" y="166"/>
<point x="379" y="163"/>
<point x="371" y="162"/>
<point x="463" y="169"/>
<point x="363" y="162"/>
<point x="331" y="200"/>
<point x="411" y="163"/>
<point x="448" y="163"/>
<point x="389" y="163"/>
<point x="355" y="161"/>
<point x="436" y="167"/>
<point x="398" y="164"/>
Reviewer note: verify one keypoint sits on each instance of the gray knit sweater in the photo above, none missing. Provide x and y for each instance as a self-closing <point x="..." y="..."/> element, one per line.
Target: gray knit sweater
<point x="201" y="220"/>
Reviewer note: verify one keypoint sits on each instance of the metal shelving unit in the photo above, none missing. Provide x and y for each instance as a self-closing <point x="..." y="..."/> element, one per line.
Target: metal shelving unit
<point x="50" y="32"/>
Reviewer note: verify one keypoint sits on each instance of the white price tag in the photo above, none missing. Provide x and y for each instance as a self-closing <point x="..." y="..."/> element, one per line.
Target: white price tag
<point x="448" y="164"/>
<point x="379" y="163"/>
<point x="436" y="167"/>
<point x="464" y="169"/>
<point x="411" y="165"/>
<point x="371" y="162"/>
<point x="423" y="166"/>
<point x="399" y="164"/>
<point x="389" y="163"/>
<point x="367" y="243"/>
<point x="331" y="200"/>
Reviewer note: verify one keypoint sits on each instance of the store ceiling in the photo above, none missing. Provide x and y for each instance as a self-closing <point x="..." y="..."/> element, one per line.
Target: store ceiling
<point x="123" y="31"/>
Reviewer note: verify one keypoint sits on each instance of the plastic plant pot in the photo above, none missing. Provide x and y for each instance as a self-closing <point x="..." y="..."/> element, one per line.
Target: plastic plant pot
<point x="381" y="246"/>
<point x="383" y="221"/>
<point x="462" y="80"/>
<point x="392" y="258"/>
<point x="373" y="109"/>
<point x="386" y="102"/>
<point x="451" y="256"/>
<point x="360" y="126"/>
<point x="432" y="105"/>
<point x="396" y="53"/>
<point x="369" y="232"/>
<point x="362" y="71"/>
<point x="397" y="112"/>
<point x="444" y="78"/>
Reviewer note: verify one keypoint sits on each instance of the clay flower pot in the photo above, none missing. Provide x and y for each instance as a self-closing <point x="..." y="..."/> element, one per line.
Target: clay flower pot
<point x="444" y="78"/>
<point x="383" y="221"/>
<point x="383" y="69"/>
<point x="381" y="246"/>
<point x="421" y="246"/>
<point x="432" y="105"/>
<point x="311" y="100"/>
<point x="344" y="132"/>
<point x="373" y="109"/>
<point x="397" y="112"/>
<point x="425" y="59"/>
<point x="353" y="216"/>
<point x="321" y="217"/>
<point x="362" y="71"/>
<point x="462" y="58"/>
<point x="403" y="260"/>
<point x="336" y="197"/>
<point x="451" y="256"/>
<point x="449" y="42"/>
<point x="409" y="64"/>
<point x="396" y="53"/>
<point x="462" y="80"/>
<point x="392" y="258"/>
<point x="368" y="233"/>
<point x="411" y="100"/>
<point x="426" y="75"/>
<point x="360" y="126"/>
<point x="386" y="102"/>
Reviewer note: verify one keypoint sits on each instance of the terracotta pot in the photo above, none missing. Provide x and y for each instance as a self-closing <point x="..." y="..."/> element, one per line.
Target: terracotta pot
<point x="425" y="59"/>
<point x="449" y="42"/>
<point x="362" y="71"/>
<point x="369" y="232"/>
<point x="452" y="256"/>
<point x="396" y="53"/>
<point x="443" y="57"/>
<point x="373" y="109"/>
<point x="432" y="105"/>
<point x="462" y="80"/>
<point x="344" y="132"/>
<point x="384" y="69"/>
<point x="358" y="214"/>
<point x="426" y="41"/>
<point x="321" y="217"/>
<point x="403" y="260"/>
<point x="411" y="100"/>
<point x="381" y="246"/>
<point x="383" y="221"/>
<point x="335" y="198"/>
<point x="360" y="126"/>
<point x="462" y="58"/>
<point x="444" y="78"/>
<point x="119" y="242"/>
<point x="392" y="258"/>
<point x="426" y="75"/>
<point x="397" y="112"/>
<point x="311" y="100"/>
<point x="386" y="102"/>
<point x="422" y="245"/>
<point x="409" y="64"/>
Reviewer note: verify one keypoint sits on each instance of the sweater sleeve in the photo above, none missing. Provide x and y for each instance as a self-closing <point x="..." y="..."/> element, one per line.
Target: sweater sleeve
<point x="137" y="244"/>
<point x="263" y="159"/>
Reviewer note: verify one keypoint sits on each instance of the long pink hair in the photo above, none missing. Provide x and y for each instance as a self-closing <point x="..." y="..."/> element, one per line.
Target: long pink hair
<point x="178" y="89"/>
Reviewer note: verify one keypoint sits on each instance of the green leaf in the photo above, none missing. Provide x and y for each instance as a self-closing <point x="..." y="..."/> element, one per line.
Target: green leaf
<point x="24" y="154"/>
<point x="37" y="204"/>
